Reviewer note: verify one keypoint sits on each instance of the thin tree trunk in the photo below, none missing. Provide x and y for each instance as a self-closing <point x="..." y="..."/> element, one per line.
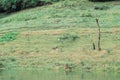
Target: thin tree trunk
<point x="99" y="35"/>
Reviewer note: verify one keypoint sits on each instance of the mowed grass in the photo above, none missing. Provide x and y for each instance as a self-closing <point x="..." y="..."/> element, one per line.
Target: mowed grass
<point x="55" y="35"/>
<point x="45" y="40"/>
<point x="43" y="49"/>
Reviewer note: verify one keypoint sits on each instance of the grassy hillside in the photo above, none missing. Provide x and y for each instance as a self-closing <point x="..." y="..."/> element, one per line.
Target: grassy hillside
<point x="54" y="35"/>
<point x="64" y="14"/>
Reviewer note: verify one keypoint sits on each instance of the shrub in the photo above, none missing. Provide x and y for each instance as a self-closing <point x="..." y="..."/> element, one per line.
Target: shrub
<point x="16" y="5"/>
<point x="101" y="0"/>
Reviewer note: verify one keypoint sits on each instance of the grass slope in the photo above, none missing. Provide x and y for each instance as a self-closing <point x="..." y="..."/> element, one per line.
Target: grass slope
<point x="64" y="14"/>
<point x="54" y="35"/>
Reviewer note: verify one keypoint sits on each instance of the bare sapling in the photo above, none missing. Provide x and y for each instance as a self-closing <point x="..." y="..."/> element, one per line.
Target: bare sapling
<point x="99" y="35"/>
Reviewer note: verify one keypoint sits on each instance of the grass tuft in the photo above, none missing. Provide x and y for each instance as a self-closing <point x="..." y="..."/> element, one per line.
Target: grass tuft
<point x="10" y="36"/>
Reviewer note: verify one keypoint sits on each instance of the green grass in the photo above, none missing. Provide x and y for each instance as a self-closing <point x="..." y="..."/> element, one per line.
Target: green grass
<point x="64" y="14"/>
<point x="10" y="36"/>
<point x="44" y="49"/>
<point x="60" y="34"/>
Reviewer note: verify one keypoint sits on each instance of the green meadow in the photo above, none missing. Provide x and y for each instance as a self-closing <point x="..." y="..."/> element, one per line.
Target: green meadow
<point x="54" y="35"/>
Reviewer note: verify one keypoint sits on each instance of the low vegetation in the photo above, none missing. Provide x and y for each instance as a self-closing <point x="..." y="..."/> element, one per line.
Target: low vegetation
<point x="10" y="36"/>
<point x="102" y="0"/>
<point x="16" y="5"/>
<point x="70" y="37"/>
<point x="61" y="34"/>
<point x="45" y="50"/>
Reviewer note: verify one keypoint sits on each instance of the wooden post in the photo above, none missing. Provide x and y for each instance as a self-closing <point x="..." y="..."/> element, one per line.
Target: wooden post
<point x="99" y="34"/>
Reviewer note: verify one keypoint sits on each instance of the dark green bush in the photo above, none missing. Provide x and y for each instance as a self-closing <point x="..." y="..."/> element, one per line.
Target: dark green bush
<point x="16" y="5"/>
<point x="101" y="0"/>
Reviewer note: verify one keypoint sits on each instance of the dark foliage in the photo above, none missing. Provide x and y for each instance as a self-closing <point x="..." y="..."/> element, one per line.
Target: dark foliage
<point x="16" y="5"/>
<point x="102" y="0"/>
<point x="1" y="65"/>
<point x="101" y="7"/>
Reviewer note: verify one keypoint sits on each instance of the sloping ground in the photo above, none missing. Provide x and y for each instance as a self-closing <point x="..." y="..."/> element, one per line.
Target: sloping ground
<point x="59" y="34"/>
<point x="44" y="49"/>
<point x="64" y="14"/>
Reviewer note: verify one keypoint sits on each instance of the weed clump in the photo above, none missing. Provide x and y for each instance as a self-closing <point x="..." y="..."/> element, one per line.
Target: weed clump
<point x="101" y="0"/>
<point x="10" y="36"/>
<point x="68" y="37"/>
<point x="101" y="7"/>
<point x="66" y="40"/>
<point x="2" y="65"/>
<point x="87" y="15"/>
